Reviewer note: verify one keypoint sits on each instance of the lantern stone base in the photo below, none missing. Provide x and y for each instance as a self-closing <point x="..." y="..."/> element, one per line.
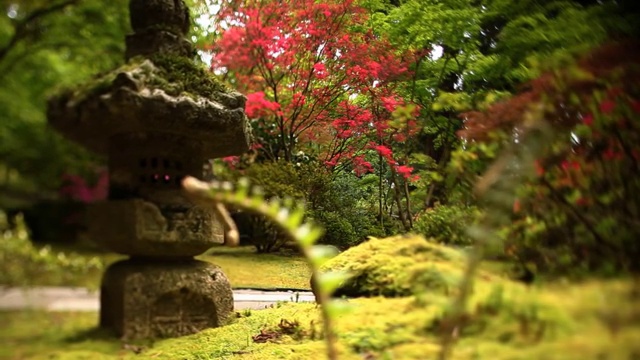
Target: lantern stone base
<point x="149" y="298"/>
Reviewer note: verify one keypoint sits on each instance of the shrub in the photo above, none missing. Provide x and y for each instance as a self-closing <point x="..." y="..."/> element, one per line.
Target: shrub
<point x="55" y="221"/>
<point x="400" y="266"/>
<point x="345" y="213"/>
<point x="279" y="179"/>
<point x="447" y="224"/>
<point x="334" y="200"/>
<point x="578" y="211"/>
<point x="338" y="231"/>
<point x="23" y="264"/>
<point x="265" y="236"/>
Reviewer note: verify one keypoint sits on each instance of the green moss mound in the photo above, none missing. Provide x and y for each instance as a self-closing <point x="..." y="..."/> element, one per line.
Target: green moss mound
<point x="400" y="266"/>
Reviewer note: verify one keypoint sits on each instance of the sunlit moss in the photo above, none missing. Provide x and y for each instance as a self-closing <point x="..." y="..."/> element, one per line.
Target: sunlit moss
<point x="399" y="266"/>
<point x="399" y="327"/>
<point x="188" y="76"/>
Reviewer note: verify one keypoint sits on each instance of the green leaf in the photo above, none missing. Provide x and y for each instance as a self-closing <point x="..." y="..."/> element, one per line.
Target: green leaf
<point x="319" y="254"/>
<point x="331" y="280"/>
<point x="338" y="307"/>
<point x="295" y="218"/>
<point x="574" y="196"/>
<point x="307" y="234"/>
<point x="582" y="131"/>
<point x="606" y="198"/>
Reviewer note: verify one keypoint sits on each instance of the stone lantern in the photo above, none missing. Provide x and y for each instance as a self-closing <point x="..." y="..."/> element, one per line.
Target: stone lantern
<point x="157" y="119"/>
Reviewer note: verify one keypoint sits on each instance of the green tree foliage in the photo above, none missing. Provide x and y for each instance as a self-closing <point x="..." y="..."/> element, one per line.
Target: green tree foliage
<point x="464" y="55"/>
<point x="44" y="45"/>
<point x="475" y="53"/>
<point x="338" y="202"/>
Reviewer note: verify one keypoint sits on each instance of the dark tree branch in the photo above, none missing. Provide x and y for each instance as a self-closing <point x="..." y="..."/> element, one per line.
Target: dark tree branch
<point x="25" y="196"/>
<point x="22" y="26"/>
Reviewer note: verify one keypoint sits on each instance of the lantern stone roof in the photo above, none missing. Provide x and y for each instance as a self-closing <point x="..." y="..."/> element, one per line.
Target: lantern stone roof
<point x="159" y="89"/>
<point x="166" y="93"/>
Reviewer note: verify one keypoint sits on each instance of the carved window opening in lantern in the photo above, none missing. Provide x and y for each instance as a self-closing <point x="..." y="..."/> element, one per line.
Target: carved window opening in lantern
<point x="161" y="171"/>
<point x="150" y="165"/>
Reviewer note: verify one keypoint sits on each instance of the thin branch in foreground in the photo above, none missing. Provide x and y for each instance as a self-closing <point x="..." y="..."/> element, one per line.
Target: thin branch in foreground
<point x="288" y="216"/>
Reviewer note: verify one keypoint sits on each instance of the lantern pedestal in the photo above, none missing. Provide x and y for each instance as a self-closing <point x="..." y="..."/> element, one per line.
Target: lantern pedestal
<point x="151" y="298"/>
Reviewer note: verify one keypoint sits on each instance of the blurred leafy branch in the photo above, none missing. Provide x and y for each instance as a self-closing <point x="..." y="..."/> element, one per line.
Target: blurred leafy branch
<point x="288" y="215"/>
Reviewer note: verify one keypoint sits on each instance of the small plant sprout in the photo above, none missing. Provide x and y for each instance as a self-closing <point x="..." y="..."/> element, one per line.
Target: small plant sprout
<point x="288" y="215"/>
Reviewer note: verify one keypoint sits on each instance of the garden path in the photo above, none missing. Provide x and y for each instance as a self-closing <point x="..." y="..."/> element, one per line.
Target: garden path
<point x="79" y="299"/>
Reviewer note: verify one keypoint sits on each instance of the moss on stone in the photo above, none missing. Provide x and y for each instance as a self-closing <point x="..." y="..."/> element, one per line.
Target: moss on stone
<point x="175" y="75"/>
<point x="97" y="85"/>
<point x="188" y="77"/>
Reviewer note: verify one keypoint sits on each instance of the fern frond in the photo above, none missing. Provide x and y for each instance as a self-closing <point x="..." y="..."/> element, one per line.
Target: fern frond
<point x="288" y="216"/>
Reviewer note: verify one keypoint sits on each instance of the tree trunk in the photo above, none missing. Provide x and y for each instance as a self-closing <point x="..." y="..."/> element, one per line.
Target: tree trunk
<point x="397" y="195"/>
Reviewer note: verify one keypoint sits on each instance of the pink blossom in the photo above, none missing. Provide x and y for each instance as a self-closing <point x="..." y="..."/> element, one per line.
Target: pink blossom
<point x="404" y="170"/>
<point x="607" y="106"/>
<point x="231" y="161"/>
<point x="390" y="103"/>
<point x="257" y="105"/>
<point x="76" y="188"/>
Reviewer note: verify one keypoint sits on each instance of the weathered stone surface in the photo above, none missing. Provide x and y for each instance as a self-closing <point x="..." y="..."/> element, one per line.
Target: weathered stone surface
<point x="142" y="299"/>
<point x="139" y="98"/>
<point x="150" y="42"/>
<point x="137" y="227"/>
<point x="151" y="166"/>
<point x="172" y="14"/>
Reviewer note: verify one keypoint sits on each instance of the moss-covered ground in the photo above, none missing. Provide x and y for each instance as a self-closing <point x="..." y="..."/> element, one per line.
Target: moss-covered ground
<point x="593" y="320"/>
<point x="596" y="319"/>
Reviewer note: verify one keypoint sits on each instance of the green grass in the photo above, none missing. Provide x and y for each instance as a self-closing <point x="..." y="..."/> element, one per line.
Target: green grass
<point x="242" y="265"/>
<point x="591" y="320"/>
<point x="246" y="269"/>
<point x="36" y="334"/>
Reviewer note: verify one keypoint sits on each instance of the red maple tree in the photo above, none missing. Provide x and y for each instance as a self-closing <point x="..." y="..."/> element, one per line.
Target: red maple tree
<point x="316" y="78"/>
